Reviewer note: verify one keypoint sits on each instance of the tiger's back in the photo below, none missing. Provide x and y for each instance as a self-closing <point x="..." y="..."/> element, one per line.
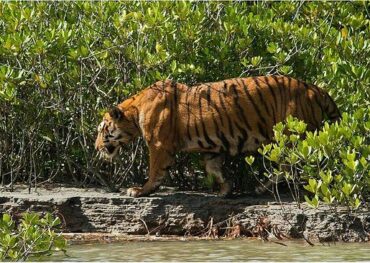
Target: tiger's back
<point x="237" y="115"/>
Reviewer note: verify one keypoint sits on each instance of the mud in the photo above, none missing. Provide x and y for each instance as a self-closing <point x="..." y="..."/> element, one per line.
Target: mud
<point x="97" y="213"/>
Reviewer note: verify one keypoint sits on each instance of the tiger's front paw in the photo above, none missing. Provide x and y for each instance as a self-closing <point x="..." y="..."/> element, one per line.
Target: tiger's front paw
<point x="135" y="191"/>
<point x="225" y="190"/>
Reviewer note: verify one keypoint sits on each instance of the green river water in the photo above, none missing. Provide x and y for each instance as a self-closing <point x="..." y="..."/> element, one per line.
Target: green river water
<point x="215" y="250"/>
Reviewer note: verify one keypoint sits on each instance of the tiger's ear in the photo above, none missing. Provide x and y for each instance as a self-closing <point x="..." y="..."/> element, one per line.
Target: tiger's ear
<point x="116" y="114"/>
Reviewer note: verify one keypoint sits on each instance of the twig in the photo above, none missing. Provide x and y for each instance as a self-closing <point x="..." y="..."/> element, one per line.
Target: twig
<point x="146" y="227"/>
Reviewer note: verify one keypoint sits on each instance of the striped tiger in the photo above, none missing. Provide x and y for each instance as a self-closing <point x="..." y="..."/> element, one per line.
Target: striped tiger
<point x="229" y="117"/>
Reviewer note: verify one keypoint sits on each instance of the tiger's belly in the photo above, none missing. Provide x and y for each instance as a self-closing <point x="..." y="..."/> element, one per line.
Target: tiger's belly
<point x="225" y="144"/>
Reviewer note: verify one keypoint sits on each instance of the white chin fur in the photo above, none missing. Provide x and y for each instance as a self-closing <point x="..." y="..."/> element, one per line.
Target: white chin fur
<point x="106" y="156"/>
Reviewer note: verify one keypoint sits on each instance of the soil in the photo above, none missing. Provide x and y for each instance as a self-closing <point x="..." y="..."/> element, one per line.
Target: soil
<point x="94" y="214"/>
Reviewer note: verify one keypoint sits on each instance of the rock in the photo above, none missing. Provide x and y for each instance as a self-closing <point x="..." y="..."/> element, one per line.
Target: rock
<point x="190" y="213"/>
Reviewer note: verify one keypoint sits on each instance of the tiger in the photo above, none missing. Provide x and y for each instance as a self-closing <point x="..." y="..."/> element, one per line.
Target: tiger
<point x="229" y="117"/>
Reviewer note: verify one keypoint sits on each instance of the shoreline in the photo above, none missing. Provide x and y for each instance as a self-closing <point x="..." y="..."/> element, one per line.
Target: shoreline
<point x="94" y="214"/>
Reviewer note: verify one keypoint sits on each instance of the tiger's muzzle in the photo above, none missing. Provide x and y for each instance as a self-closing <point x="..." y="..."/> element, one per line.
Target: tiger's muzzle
<point x="106" y="148"/>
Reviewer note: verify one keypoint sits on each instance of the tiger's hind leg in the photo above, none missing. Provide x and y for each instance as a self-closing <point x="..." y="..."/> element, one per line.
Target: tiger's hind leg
<point x="214" y="164"/>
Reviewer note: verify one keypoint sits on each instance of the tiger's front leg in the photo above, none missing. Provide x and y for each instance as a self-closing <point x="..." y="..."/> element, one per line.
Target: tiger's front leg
<point x="160" y="162"/>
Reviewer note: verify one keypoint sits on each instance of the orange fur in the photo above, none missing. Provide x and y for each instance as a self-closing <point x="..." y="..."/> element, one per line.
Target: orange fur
<point x="232" y="117"/>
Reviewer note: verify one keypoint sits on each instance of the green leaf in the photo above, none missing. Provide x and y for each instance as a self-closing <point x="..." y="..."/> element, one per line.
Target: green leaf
<point x="314" y="202"/>
<point x="306" y="150"/>
<point x="56" y="222"/>
<point x="173" y="65"/>
<point x="256" y="60"/>
<point x="7" y="218"/>
<point x="347" y="189"/>
<point x="83" y="51"/>
<point x="46" y="138"/>
<point x="249" y="160"/>
<point x="272" y="47"/>
<point x="357" y="203"/>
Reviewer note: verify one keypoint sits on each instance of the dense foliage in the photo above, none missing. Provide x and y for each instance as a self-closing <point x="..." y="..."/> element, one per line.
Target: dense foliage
<point x="333" y="164"/>
<point x="33" y="236"/>
<point x="62" y="64"/>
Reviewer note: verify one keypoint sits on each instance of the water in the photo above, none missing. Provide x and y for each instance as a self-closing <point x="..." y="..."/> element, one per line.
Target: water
<point x="215" y="250"/>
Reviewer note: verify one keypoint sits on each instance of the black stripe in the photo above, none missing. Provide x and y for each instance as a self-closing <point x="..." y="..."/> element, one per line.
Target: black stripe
<point x="231" y="130"/>
<point x="215" y="122"/>
<point x="283" y="100"/>
<point x="172" y="110"/>
<point x="154" y="87"/>
<point x="310" y="106"/>
<point x="218" y="112"/>
<point x="217" y="129"/>
<point x="210" y="156"/>
<point x="260" y="116"/>
<point x="272" y="92"/>
<point x="136" y="118"/>
<point x="316" y="89"/>
<point x="261" y="96"/>
<point x="208" y="95"/>
<point x="188" y="111"/>
<point x="213" y="105"/>
<point x="289" y="86"/>
<point x="224" y="87"/>
<point x="174" y="113"/>
<point x="170" y="102"/>
<point x="200" y="144"/>
<point x="225" y="142"/>
<point x="244" y="138"/>
<point x="222" y="100"/>
<point x="286" y="98"/>
<point x="240" y="109"/>
<point x="174" y="87"/>
<point x="319" y="96"/>
<point x="305" y="85"/>
<point x="289" y="98"/>
<point x="320" y="108"/>
<point x="243" y="132"/>
<point x="334" y="106"/>
<point x="281" y="97"/>
<point x="240" y="144"/>
<point x="303" y="107"/>
<point x="164" y="93"/>
<point x="206" y="137"/>
<point x="262" y="130"/>
<point x="241" y="140"/>
<point x="316" y="96"/>
<point x="297" y="94"/>
<point x="196" y="92"/>
<point x="195" y="119"/>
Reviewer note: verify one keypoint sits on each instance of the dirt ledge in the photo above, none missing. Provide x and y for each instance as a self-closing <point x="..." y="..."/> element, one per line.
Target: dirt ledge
<point x="189" y="213"/>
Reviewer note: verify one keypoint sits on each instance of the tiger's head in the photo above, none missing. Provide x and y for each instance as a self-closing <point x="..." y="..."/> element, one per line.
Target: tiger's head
<point x="114" y="131"/>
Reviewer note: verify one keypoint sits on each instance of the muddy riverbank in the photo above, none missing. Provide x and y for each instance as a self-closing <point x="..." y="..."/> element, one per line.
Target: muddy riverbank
<point x="98" y="214"/>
